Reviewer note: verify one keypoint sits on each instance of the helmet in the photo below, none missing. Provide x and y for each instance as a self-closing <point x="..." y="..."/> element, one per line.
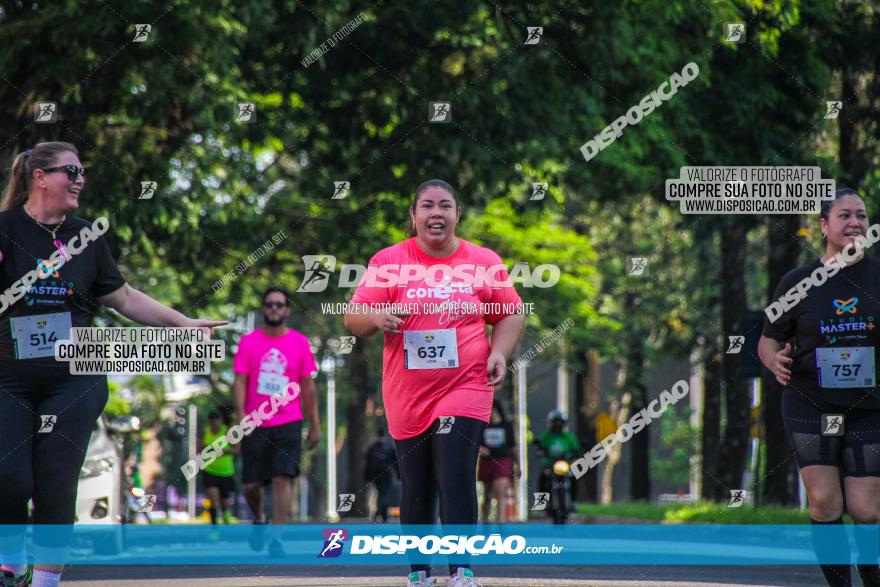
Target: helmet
<point x="557" y="415"/>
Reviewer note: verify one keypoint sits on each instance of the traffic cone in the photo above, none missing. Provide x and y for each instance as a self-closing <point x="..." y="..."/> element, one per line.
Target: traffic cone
<point x="509" y="504"/>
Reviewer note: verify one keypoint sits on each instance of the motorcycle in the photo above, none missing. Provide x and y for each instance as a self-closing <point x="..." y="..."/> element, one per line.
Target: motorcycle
<point x="556" y="479"/>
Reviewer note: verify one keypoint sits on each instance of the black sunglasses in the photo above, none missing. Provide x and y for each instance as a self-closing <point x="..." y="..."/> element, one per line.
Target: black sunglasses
<point x="71" y="170"/>
<point x="274" y="304"/>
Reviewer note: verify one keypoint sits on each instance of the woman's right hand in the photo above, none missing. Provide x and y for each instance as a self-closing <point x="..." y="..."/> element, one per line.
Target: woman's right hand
<point x="780" y="365"/>
<point x="389" y="322"/>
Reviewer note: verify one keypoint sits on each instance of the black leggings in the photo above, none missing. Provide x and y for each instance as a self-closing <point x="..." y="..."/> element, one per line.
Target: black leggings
<point x="44" y="466"/>
<point x="443" y="465"/>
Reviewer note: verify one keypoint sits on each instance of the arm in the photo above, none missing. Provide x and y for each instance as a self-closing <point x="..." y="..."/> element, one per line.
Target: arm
<point x="366" y="323"/>
<point x="239" y="388"/>
<point x="138" y="306"/>
<point x="310" y="400"/>
<point x="776" y="358"/>
<point x="505" y="336"/>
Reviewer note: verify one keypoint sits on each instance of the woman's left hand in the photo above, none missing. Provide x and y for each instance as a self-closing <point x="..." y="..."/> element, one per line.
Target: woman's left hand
<point x="495" y="366"/>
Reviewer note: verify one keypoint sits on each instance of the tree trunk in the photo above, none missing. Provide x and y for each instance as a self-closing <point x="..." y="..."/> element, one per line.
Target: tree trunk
<point x="780" y="480"/>
<point x="588" y="409"/>
<point x="737" y="399"/>
<point x="640" y="474"/>
<point x="620" y="412"/>
<point x="711" y="429"/>
<point x="854" y="161"/>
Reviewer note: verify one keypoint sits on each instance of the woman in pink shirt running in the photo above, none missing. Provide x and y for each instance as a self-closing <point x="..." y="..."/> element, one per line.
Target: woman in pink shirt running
<point x="432" y="296"/>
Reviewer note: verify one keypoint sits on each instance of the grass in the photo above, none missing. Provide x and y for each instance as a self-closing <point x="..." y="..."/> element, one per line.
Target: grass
<point x="703" y="512"/>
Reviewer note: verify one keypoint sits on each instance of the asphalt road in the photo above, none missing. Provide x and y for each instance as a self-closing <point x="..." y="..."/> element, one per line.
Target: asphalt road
<point x="489" y="576"/>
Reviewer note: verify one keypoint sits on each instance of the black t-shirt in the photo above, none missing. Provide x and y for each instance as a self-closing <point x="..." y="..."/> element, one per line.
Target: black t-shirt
<point x="841" y="313"/>
<point x="500" y="440"/>
<point x="73" y="288"/>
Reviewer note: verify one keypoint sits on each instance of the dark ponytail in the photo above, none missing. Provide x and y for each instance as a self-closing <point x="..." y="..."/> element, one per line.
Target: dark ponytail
<point x="40" y="157"/>
<point x="431" y="183"/>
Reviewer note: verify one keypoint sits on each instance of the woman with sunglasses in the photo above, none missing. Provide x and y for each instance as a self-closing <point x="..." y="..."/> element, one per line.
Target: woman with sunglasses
<point x="35" y="463"/>
<point x="438" y="362"/>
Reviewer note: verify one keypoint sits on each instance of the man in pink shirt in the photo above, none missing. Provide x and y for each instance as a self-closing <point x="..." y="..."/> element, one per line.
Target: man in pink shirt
<point x="439" y="367"/>
<point x="272" y="361"/>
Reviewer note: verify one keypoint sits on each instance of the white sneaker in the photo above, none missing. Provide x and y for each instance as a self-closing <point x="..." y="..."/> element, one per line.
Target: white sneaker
<point x="419" y="579"/>
<point x="463" y="577"/>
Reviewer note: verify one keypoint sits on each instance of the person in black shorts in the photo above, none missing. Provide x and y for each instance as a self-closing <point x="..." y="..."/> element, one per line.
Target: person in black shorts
<point x="270" y="361"/>
<point x="47" y="414"/>
<point x="823" y="350"/>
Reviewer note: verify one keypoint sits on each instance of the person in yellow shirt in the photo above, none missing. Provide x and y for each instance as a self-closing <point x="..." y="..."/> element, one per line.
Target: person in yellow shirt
<point x="218" y="477"/>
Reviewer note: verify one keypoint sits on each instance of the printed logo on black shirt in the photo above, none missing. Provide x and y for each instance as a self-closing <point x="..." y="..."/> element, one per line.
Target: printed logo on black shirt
<point x="848" y="326"/>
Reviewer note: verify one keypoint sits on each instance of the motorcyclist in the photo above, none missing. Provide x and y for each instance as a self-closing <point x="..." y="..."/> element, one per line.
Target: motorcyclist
<point x="554" y="444"/>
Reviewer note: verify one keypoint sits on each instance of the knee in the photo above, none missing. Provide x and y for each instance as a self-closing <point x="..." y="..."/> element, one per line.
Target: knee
<point x="825" y="504"/>
<point x="863" y="511"/>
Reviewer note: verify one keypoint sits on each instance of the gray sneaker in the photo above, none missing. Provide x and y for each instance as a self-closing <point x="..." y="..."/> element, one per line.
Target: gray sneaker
<point x="463" y="577"/>
<point x="419" y="579"/>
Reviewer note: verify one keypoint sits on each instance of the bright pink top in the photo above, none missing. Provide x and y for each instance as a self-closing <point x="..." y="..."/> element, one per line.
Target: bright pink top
<point x="415" y="398"/>
<point x="274" y="357"/>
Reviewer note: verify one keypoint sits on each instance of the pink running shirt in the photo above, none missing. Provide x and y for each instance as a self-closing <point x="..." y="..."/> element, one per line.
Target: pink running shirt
<point x="415" y="398"/>
<point x="271" y="359"/>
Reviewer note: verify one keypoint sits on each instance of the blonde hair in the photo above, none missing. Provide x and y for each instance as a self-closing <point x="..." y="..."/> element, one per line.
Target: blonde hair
<point x="43" y="155"/>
